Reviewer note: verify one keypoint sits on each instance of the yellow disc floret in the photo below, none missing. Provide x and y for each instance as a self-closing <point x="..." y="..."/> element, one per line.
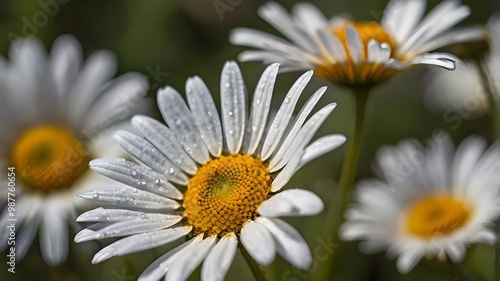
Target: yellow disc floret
<point x="362" y="73"/>
<point x="48" y="157"/>
<point x="225" y="193"/>
<point x="437" y="216"/>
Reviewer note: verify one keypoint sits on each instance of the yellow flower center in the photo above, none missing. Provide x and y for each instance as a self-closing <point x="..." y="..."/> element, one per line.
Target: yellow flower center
<point x="361" y="74"/>
<point x="48" y="157"/>
<point x="225" y="193"/>
<point x="437" y="215"/>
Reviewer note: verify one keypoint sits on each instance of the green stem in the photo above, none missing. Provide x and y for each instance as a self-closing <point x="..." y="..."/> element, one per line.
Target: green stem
<point x="342" y="197"/>
<point x="491" y="95"/>
<point x="254" y="267"/>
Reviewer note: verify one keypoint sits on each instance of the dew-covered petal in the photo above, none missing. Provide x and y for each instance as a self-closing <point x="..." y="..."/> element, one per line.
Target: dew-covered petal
<point x="219" y="259"/>
<point x="166" y="142"/>
<point x="284" y="115"/>
<point x="292" y="202"/>
<point x="205" y="114"/>
<point x="260" y="106"/>
<point x="303" y="136"/>
<point x="110" y="215"/>
<point x="130" y="197"/>
<point x="181" y="121"/>
<point x="299" y="121"/>
<point x="150" y="223"/>
<point x="140" y="242"/>
<point x="140" y="177"/>
<point x="233" y="104"/>
<point x="147" y="153"/>
<point x="258" y="242"/>
<point x="289" y="243"/>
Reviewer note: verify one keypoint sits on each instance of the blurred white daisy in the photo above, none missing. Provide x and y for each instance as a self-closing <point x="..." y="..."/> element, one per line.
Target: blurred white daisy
<point x="354" y="53"/>
<point x="231" y="168"/>
<point x="462" y="91"/>
<point x="55" y="114"/>
<point x="433" y="202"/>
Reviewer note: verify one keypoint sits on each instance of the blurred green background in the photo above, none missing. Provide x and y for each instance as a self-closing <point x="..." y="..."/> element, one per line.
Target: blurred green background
<point x="171" y="40"/>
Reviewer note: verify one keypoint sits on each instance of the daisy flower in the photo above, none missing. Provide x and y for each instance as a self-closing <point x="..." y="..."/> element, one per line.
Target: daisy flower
<point x="432" y="203"/>
<point x="462" y="89"/>
<point x="215" y="181"/>
<point x="357" y="53"/>
<point x="55" y="114"/>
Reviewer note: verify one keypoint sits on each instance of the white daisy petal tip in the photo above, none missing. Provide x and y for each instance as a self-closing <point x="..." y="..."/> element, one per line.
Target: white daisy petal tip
<point x="292" y="202"/>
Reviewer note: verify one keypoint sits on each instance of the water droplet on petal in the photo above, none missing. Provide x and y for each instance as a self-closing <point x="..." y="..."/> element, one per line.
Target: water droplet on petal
<point x="230" y="113"/>
<point x="287" y="100"/>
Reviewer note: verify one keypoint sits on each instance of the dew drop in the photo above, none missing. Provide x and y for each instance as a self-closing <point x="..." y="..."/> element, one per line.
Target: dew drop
<point x="287" y="100"/>
<point x="230" y="113"/>
<point x="227" y="85"/>
<point x="258" y="101"/>
<point x="171" y="170"/>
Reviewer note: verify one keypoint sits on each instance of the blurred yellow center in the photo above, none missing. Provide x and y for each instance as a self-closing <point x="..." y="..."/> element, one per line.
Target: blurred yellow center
<point x="225" y="193"/>
<point x="362" y="73"/>
<point x="48" y="157"/>
<point x="435" y="216"/>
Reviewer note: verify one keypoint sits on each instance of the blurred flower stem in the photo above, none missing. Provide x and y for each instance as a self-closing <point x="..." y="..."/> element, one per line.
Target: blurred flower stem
<point x="490" y="90"/>
<point x="495" y="121"/>
<point x="252" y="264"/>
<point x="350" y="166"/>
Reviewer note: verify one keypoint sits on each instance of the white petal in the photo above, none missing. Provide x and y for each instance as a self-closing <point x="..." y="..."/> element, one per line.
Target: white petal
<point x="205" y="113"/>
<point x="259" y="242"/>
<point x="25" y="238"/>
<point x="189" y="259"/>
<point x="54" y="237"/>
<point x="140" y="177"/>
<point x="299" y="121"/>
<point x="98" y="68"/>
<point x="65" y="61"/>
<point x="289" y="243"/>
<point x="321" y="146"/>
<point x="292" y="202"/>
<point x="166" y="142"/>
<point x="129" y="197"/>
<point x="160" y="266"/>
<point x="280" y="19"/>
<point x="181" y="121"/>
<point x="354" y="44"/>
<point x="233" y="103"/>
<point x="455" y="251"/>
<point x="148" y="154"/>
<point x="466" y="157"/>
<point x="283" y="116"/>
<point x="152" y="223"/>
<point x="140" y="242"/>
<point x="303" y="136"/>
<point x="260" y="106"/>
<point x="286" y="174"/>
<point x="219" y="259"/>
<point x="333" y="45"/>
<point x="109" y="215"/>
<point x="408" y="260"/>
